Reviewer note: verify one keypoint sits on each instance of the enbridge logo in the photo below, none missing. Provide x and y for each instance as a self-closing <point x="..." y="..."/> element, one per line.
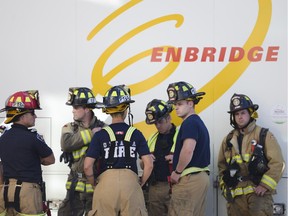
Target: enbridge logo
<point x="237" y="58"/>
<point x="212" y="54"/>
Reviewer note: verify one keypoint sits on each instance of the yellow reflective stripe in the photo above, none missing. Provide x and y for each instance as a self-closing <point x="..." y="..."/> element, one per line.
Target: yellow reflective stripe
<point x="269" y="181"/>
<point x="248" y="189"/>
<point x="110" y="132"/>
<point x="221" y="183"/>
<point x="246" y="157"/>
<point x="89" y="188"/>
<point x="193" y="170"/>
<point x="41" y="214"/>
<point x="241" y="191"/>
<point x="152" y="142"/>
<point x="68" y="185"/>
<point x="3" y="213"/>
<point x="153" y="138"/>
<point x="174" y="140"/>
<point x="236" y="158"/>
<point x="225" y="192"/>
<point x="79" y="153"/>
<point x="86" y="136"/>
<point x="80" y="186"/>
<point x="129" y="134"/>
<point x="113" y="137"/>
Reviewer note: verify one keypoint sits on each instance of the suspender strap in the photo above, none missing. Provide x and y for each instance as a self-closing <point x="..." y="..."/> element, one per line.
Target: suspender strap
<point x="113" y="137"/>
<point x="127" y="146"/>
<point x="111" y="133"/>
<point x="17" y="196"/>
<point x="129" y="134"/>
<point x="127" y="138"/>
<point x="16" y="203"/>
<point x="110" y="160"/>
<point x="6" y="195"/>
<point x="262" y="136"/>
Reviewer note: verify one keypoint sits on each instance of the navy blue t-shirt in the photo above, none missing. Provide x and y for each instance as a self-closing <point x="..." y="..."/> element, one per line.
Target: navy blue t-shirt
<point x="20" y="153"/>
<point x="193" y="127"/>
<point x="100" y="146"/>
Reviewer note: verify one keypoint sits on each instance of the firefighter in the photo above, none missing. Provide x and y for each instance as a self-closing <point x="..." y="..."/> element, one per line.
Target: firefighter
<point x="22" y="152"/>
<point x="3" y="128"/>
<point x="249" y="166"/>
<point x="190" y="176"/>
<point x="75" y="139"/>
<point x="161" y="145"/>
<point x="117" y="146"/>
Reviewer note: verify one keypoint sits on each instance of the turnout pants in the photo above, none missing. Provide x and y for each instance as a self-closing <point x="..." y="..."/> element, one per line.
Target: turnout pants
<point x="159" y="198"/>
<point x="189" y="195"/>
<point x="118" y="192"/>
<point x="78" y="205"/>
<point x="251" y="205"/>
<point x="30" y="198"/>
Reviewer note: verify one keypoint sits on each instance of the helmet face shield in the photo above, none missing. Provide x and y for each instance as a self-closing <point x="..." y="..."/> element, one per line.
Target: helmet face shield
<point x="156" y="110"/>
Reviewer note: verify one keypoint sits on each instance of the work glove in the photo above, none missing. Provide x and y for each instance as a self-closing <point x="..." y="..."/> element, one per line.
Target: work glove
<point x="67" y="157"/>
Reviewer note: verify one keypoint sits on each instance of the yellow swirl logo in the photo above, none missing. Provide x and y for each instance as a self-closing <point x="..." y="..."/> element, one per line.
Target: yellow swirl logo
<point x="214" y="89"/>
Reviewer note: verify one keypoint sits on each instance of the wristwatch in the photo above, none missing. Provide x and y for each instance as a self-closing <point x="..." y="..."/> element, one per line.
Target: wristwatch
<point x="179" y="173"/>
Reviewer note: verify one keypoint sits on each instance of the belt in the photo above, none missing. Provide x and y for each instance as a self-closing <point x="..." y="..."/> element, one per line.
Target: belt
<point x="194" y="173"/>
<point x="9" y="181"/>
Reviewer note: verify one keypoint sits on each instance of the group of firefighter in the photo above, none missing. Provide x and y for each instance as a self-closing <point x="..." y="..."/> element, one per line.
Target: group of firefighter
<point x="105" y="159"/>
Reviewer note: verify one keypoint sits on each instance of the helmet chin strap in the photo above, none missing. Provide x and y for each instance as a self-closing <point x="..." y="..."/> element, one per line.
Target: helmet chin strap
<point x="130" y="117"/>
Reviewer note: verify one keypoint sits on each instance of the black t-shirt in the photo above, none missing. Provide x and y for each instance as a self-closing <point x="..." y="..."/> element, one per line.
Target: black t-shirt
<point x="163" y="146"/>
